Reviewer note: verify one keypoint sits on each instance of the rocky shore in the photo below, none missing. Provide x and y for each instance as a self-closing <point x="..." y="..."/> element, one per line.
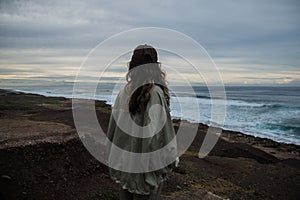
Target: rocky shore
<point x="41" y="157"/>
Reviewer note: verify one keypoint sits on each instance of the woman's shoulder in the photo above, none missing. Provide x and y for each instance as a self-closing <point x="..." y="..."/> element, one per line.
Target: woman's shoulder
<point x="156" y="89"/>
<point x="157" y="95"/>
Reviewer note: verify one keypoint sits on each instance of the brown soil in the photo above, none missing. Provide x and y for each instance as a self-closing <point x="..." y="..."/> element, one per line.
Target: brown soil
<point x="41" y="157"/>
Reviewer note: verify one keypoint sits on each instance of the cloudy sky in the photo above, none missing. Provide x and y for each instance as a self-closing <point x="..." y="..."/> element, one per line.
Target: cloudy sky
<point x="252" y="42"/>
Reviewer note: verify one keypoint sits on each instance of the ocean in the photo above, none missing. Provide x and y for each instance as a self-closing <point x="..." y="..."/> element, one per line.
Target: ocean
<point x="265" y="111"/>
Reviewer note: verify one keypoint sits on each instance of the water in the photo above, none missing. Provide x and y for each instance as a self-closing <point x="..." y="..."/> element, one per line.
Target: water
<point x="263" y="111"/>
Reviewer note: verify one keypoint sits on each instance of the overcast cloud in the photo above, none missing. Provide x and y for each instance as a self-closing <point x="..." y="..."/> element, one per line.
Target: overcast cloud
<point x="251" y="41"/>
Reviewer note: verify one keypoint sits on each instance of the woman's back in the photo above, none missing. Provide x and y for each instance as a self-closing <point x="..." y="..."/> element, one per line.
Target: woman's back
<point x="138" y="135"/>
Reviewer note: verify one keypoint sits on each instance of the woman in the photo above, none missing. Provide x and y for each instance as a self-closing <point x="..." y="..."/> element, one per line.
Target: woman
<point x="141" y="123"/>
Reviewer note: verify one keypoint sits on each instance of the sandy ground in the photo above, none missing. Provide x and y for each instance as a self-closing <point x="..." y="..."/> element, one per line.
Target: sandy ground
<point x="41" y="157"/>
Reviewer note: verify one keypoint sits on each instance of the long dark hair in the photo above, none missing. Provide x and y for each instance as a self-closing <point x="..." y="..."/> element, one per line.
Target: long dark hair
<point x="142" y="79"/>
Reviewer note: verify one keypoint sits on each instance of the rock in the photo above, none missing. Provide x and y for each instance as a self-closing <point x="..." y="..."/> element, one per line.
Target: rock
<point x="211" y="196"/>
<point x="6" y="177"/>
<point x="178" y="187"/>
<point x="295" y="153"/>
